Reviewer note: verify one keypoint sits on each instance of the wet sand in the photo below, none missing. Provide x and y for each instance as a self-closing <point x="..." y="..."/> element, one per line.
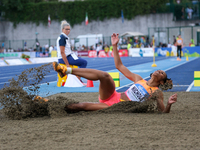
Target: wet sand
<point x="108" y="129"/>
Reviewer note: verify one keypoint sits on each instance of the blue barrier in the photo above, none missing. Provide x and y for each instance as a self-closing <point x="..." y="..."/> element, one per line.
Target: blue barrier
<point x="188" y="51"/>
<point x="162" y="51"/>
<point x="192" y="51"/>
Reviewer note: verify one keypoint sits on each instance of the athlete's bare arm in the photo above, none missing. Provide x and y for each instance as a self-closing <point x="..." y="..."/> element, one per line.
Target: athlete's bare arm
<point x="172" y="99"/>
<point x="62" y="51"/>
<point x="160" y="104"/>
<point x="118" y="63"/>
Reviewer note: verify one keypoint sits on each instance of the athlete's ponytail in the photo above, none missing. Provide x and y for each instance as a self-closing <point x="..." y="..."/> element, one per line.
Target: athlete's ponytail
<point x="63" y="24"/>
<point x="167" y="84"/>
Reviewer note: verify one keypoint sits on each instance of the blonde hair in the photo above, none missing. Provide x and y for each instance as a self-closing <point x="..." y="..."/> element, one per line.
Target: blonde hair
<point x="63" y="24"/>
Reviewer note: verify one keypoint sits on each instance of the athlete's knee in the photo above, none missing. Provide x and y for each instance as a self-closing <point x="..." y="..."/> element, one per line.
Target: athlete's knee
<point x="104" y="75"/>
<point x="83" y="63"/>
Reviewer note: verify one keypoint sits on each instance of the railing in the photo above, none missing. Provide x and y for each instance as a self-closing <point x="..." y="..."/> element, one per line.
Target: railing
<point x="166" y="35"/>
<point x="186" y="11"/>
<point x="31" y="45"/>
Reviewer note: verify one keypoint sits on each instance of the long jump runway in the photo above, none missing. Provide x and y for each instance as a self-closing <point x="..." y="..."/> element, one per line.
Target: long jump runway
<point x="181" y="72"/>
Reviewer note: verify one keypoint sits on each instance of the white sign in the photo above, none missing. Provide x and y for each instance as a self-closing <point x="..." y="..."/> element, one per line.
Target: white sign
<point x="88" y="39"/>
<point x="2" y="63"/>
<point x="141" y="52"/>
<point x="14" y="62"/>
<point x="174" y="50"/>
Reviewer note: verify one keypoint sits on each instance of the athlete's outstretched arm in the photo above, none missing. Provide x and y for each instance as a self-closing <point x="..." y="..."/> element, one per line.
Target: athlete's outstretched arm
<point x="160" y="104"/>
<point x="118" y="63"/>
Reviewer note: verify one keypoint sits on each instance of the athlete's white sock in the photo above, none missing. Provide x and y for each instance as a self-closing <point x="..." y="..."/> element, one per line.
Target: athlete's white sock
<point x="69" y="70"/>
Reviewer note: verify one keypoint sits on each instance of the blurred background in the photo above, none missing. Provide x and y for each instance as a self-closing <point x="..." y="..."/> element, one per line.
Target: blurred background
<point x="34" y="25"/>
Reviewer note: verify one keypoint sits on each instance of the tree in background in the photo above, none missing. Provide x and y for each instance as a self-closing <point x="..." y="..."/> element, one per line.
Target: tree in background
<point x="37" y="11"/>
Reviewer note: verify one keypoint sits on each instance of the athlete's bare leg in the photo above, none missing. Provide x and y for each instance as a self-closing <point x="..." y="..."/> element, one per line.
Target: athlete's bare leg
<point x="86" y="106"/>
<point x="106" y="87"/>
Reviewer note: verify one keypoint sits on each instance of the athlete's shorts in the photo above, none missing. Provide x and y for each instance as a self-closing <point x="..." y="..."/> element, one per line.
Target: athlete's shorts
<point x="113" y="99"/>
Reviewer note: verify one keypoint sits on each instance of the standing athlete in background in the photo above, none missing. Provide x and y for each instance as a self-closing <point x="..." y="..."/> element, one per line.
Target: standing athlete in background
<point x="64" y="52"/>
<point x="179" y="44"/>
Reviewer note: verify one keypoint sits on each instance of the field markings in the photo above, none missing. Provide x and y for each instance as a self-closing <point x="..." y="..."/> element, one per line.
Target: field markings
<point x="164" y="70"/>
<point x="190" y="86"/>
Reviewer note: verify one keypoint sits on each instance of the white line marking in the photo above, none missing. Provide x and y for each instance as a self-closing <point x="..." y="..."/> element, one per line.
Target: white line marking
<point x="164" y="70"/>
<point x="11" y="73"/>
<point x="7" y="77"/>
<point x="181" y="85"/>
<point x="4" y="82"/>
<point x="180" y="64"/>
<point x="29" y="78"/>
<point x="48" y="82"/>
<point x="189" y="88"/>
<point x="38" y="85"/>
<point x="140" y="70"/>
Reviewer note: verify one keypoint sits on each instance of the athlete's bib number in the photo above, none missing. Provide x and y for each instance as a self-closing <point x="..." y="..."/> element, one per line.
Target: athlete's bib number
<point x="179" y="41"/>
<point x="137" y="93"/>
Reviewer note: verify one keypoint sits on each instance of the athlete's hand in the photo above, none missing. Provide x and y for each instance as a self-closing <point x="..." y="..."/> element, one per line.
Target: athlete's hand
<point x="114" y="38"/>
<point x="172" y="99"/>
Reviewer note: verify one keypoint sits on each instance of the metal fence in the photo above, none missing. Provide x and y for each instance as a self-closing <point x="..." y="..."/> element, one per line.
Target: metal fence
<point x="186" y="11"/>
<point x="21" y="45"/>
<point x="166" y="35"/>
<point x="161" y="34"/>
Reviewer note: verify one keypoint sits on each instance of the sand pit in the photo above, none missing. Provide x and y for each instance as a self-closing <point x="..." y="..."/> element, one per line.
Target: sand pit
<point x="107" y="129"/>
<point x="26" y="124"/>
